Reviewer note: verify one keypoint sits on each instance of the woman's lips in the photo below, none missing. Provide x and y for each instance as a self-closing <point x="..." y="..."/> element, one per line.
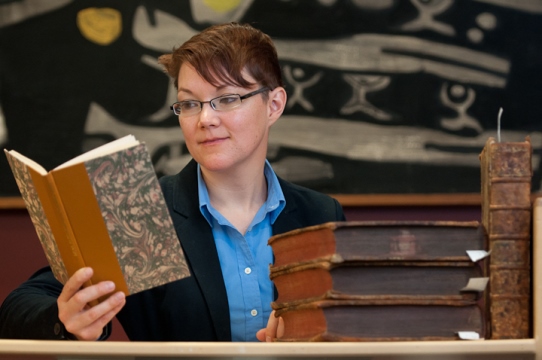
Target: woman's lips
<point x="212" y="141"/>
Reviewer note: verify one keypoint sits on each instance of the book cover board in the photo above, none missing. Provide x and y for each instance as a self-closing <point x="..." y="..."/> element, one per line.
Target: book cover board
<point x="104" y="209"/>
<point x="506" y="174"/>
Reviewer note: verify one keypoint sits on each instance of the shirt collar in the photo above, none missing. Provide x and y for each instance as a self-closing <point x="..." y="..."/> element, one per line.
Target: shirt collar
<point x="273" y="205"/>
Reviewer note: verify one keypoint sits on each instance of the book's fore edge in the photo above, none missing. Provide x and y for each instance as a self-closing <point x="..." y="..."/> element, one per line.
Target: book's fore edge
<point x="35" y="194"/>
<point x="90" y="231"/>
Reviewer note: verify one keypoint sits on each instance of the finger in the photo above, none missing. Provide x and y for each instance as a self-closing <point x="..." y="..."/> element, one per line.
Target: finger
<point x="96" y="317"/>
<point x="266" y="334"/>
<point x="80" y="300"/>
<point x="280" y="328"/>
<point x="79" y="318"/>
<point x="75" y="282"/>
<point x="97" y="313"/>
<point x="275" y="329"/>
<point x="260" y="335"/>
<point x="271" y="329"/>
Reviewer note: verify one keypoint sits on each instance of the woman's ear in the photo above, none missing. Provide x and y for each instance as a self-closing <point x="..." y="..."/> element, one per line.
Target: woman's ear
<point x="276" y="103"/>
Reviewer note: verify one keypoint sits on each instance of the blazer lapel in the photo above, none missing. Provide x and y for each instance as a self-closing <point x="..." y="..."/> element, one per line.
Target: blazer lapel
<point x="198" y="243"/>
<point x="287" y="220"/>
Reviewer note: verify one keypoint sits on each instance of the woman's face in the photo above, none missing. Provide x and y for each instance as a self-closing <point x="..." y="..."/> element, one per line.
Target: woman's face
<point x="225" y="140"/>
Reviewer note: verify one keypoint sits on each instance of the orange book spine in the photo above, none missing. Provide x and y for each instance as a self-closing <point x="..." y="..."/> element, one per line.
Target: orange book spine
<point x="89" y="228"/>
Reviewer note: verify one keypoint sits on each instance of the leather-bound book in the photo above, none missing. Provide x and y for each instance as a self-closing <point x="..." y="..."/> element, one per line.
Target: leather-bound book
<point x="359" y="320"/>
<point x="380" y="240"/>
<point x="333" y="278"/>
<point x="506" y="174"/>
<point x="381" y="281"/>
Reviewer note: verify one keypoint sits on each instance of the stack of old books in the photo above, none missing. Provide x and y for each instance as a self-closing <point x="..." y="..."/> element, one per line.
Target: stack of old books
<point x="374" y="281"/>
<point x="377" y="281"/>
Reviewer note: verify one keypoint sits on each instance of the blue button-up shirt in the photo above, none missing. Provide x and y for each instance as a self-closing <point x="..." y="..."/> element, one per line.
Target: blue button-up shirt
<point x="245" y="259"/>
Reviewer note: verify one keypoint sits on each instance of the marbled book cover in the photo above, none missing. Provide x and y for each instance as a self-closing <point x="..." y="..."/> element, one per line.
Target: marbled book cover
<point x="35" y="210"/>
<point x="137" y="218"/>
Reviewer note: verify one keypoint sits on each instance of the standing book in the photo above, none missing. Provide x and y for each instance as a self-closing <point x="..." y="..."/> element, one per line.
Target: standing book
<point x="104" y="209"/>
<point x="506" y="174"/>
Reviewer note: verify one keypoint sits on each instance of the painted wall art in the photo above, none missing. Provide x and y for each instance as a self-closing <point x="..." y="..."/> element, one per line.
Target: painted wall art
<point x="384" y="96"/>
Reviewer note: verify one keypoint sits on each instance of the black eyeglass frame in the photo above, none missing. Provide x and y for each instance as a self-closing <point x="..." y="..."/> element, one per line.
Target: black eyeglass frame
<point x="210" y="102"/>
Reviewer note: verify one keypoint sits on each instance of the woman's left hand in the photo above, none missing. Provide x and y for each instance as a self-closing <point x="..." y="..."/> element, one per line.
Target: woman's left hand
<point x="274" y="329"/>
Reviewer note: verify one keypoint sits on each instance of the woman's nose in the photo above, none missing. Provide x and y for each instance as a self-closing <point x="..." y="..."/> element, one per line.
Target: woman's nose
<point x="208" y="116"/>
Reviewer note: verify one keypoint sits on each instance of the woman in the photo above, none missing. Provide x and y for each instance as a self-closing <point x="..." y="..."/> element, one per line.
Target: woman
<point x="225" y="204"/>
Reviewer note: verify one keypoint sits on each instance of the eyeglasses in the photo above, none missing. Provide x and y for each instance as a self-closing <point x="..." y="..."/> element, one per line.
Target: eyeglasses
<point x="221" y="103"/>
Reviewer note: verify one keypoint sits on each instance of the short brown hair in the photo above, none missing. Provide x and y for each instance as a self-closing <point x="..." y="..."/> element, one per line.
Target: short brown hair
<point x="221" y="52"/>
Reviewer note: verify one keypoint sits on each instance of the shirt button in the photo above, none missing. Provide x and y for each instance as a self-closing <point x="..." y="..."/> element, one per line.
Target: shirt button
<point x="253" y="312"/>
<point x="248" y="270"/>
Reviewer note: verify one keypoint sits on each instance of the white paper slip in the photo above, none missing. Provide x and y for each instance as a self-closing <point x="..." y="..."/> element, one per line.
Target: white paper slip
<point x="476" y="284"/>
<point x="476" y="255"/>
<point x="468" y="335"/>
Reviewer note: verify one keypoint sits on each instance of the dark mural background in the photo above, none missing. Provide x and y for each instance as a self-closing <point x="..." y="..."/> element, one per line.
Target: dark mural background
<point x="384" y="96"/>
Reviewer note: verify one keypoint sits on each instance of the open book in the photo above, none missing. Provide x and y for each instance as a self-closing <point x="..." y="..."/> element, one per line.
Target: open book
<point x="104" y="209"/>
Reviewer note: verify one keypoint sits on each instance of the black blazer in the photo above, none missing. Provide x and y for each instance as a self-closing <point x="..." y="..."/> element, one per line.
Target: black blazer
<point x="191" y="309"/>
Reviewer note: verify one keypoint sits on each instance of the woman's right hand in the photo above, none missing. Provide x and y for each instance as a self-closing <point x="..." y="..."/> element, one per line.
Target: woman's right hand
<point x="83" y="321"/>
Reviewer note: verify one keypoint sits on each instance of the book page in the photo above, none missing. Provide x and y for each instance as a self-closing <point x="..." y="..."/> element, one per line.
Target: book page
<point x="28" y="162"/>
<point x="111" y="147"/>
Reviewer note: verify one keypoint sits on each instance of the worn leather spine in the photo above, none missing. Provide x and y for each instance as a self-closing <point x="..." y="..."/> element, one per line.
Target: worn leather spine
<point x="506" y="174"/>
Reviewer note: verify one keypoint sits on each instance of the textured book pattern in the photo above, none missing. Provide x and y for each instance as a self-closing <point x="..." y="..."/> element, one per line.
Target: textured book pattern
<point x="136" y="215"/>
<point x="107" y="212"/>
<point x="23" y="177"/>
<point x="506" y="174"/>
